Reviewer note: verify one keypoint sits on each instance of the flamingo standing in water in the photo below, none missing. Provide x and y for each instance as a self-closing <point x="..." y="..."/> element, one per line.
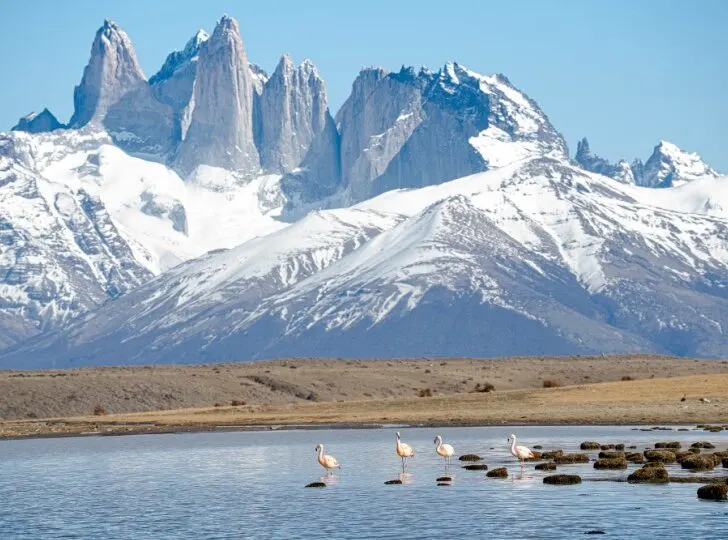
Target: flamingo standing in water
<point x="445" y="450"/>
<point x="519" y="452"/>
<point x="404" y="450"/>
<point x="327" y="462"/>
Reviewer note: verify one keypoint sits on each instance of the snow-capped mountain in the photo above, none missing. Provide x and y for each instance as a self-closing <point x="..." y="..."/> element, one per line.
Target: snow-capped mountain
<point x="668" y="166"/>
<point x="437" y="213"/>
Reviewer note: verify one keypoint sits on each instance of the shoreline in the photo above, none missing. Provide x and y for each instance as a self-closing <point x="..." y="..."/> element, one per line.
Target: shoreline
<point x="646" y="402"/>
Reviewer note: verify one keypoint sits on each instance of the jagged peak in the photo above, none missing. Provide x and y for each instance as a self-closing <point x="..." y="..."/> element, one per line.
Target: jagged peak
<point x="226" y="25"/>
<point x="176" y="59"/>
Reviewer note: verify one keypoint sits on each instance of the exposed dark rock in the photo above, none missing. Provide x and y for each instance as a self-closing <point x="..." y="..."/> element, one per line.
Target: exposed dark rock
<point x="548" y="466"/>
<point x="571" y="458"/>
<point x="590" y="445"/>
<point x="562" y="479"/>
<point x="649" y="475"/>
<point x="316" y="485"/>
<point x="476" y="467"/>
<point x="611" y="464"/>
<point x="663" y="456"/>
<point x="500" y="472"/>
<point x="713" y="492"/>
<point x="469" y="457"/>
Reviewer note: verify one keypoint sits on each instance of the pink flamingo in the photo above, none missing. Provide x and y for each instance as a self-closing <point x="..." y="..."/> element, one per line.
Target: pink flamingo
<point x="327" y="462"/>
<point x="404" y="450"/>
<point x="445" y="450"/>
<point x="519" y="452"/>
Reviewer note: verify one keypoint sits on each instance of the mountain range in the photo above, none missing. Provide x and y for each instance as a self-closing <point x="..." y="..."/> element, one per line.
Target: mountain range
<point x="214" y="212"/>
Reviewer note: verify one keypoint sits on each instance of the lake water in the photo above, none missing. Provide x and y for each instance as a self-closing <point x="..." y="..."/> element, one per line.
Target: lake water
<point x="250" y="485"/>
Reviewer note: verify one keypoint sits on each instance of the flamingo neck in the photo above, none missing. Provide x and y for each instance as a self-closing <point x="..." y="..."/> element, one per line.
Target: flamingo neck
<point x="321" y="451"/>
<point x="513" y="445"/>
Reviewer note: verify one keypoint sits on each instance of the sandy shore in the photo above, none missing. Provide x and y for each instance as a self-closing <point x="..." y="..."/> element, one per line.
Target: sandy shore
<point x="652" y="401"/>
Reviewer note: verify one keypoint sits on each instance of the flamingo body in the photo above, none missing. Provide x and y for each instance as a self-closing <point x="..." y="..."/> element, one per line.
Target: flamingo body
<point x="443" y="449"/>
<point x="404" y="450"/>
<point x="327" y="462"/>
<point x="519" y="452"/>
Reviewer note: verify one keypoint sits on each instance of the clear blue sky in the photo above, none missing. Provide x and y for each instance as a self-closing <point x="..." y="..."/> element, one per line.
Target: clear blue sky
<point x="625" y="73"/>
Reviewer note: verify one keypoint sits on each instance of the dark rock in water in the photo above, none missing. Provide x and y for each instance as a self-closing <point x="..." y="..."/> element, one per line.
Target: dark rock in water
<point x="653" y="464"/>
<point x="316" y="485"/>
<point x="632" y="447"/>
<point x="607" y="447"/>
<point x="551" y="454"/>
<point x="571" y="458"/>
<point x="562" y="479"/>
<point x="550" y="466"/>
<point x="663" y="456"/>
<point x="635" y="457"/>
<point x="679" y="456"/>
<point x="611" y="464"/>
<point x="713" y="492"/>
<point x="619" y="447"/>
<point x="469" y="457"/>
<point x="698" y="462"/>
<point x="595" y="531"/>
<point x="393" y="482"/>
<point x="444" y="479"/>
<point x="702" y="444"/>
<point x="611" y="455"/>
<point x="537" y="447"/>
<point x="683" y="429"/>
<point x="725" y="463"/>
<point x="720" y="455"/>
<point x="444" y="484"/>
<point x="649" y="475"/>
<point x="590" y="445"/>
<point x="500" y="472"/>
<point x="668" y="444"/>
<point x="476" y="467"/>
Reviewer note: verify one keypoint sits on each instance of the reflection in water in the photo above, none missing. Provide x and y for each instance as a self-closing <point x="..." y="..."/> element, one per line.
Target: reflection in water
<point x="192" y="485"/>
<point x="330" y="479"/>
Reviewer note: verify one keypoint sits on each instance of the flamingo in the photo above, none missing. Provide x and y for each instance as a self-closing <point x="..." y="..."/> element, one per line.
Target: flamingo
<point x="327" y="462"/>
<point x="404" y="450"/>
<point x="445" y="450"/>
<point x="519" y="452"/>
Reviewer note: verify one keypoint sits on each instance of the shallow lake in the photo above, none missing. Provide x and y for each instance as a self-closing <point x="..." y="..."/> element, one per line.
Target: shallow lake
<point x="251" y="485"/>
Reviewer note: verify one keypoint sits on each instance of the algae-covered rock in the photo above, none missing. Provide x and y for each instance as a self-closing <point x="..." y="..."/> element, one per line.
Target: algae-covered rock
<point x="663" y="456"/>
<point x="562" y="479"/>
<point x="611" y="464"/>
<point x="590" y="445"/>
<point x="649" y="475"/>
<point x="500" y="472"/>
<point x="713" y="492"/>
<point x="566" y="459"/>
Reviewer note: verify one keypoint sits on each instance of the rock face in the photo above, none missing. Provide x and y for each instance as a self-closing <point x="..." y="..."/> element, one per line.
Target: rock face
<point x="174" y="82"/>
<point x="412" y="129"/>
<point x="594" y="163"/>
<point x="38" y="122"/>
<point x="294" y="111"/>
<point x="220" y="133"/>
<point x="670" y="166"/>
<point x="114" y="94"/>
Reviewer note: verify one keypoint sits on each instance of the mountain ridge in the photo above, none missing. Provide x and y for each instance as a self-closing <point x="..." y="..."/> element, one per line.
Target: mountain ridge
<point x="528" y="251"/>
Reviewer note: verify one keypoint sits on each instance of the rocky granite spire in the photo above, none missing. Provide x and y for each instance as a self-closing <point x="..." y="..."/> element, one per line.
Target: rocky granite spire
<point x="114" y="94"/>
<point x="221" y="126"/>
<point x="112" y="71"/>
<point x="294" y="111"/>
<point x="38" y="122"/>
<point x="174" y="82"/>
